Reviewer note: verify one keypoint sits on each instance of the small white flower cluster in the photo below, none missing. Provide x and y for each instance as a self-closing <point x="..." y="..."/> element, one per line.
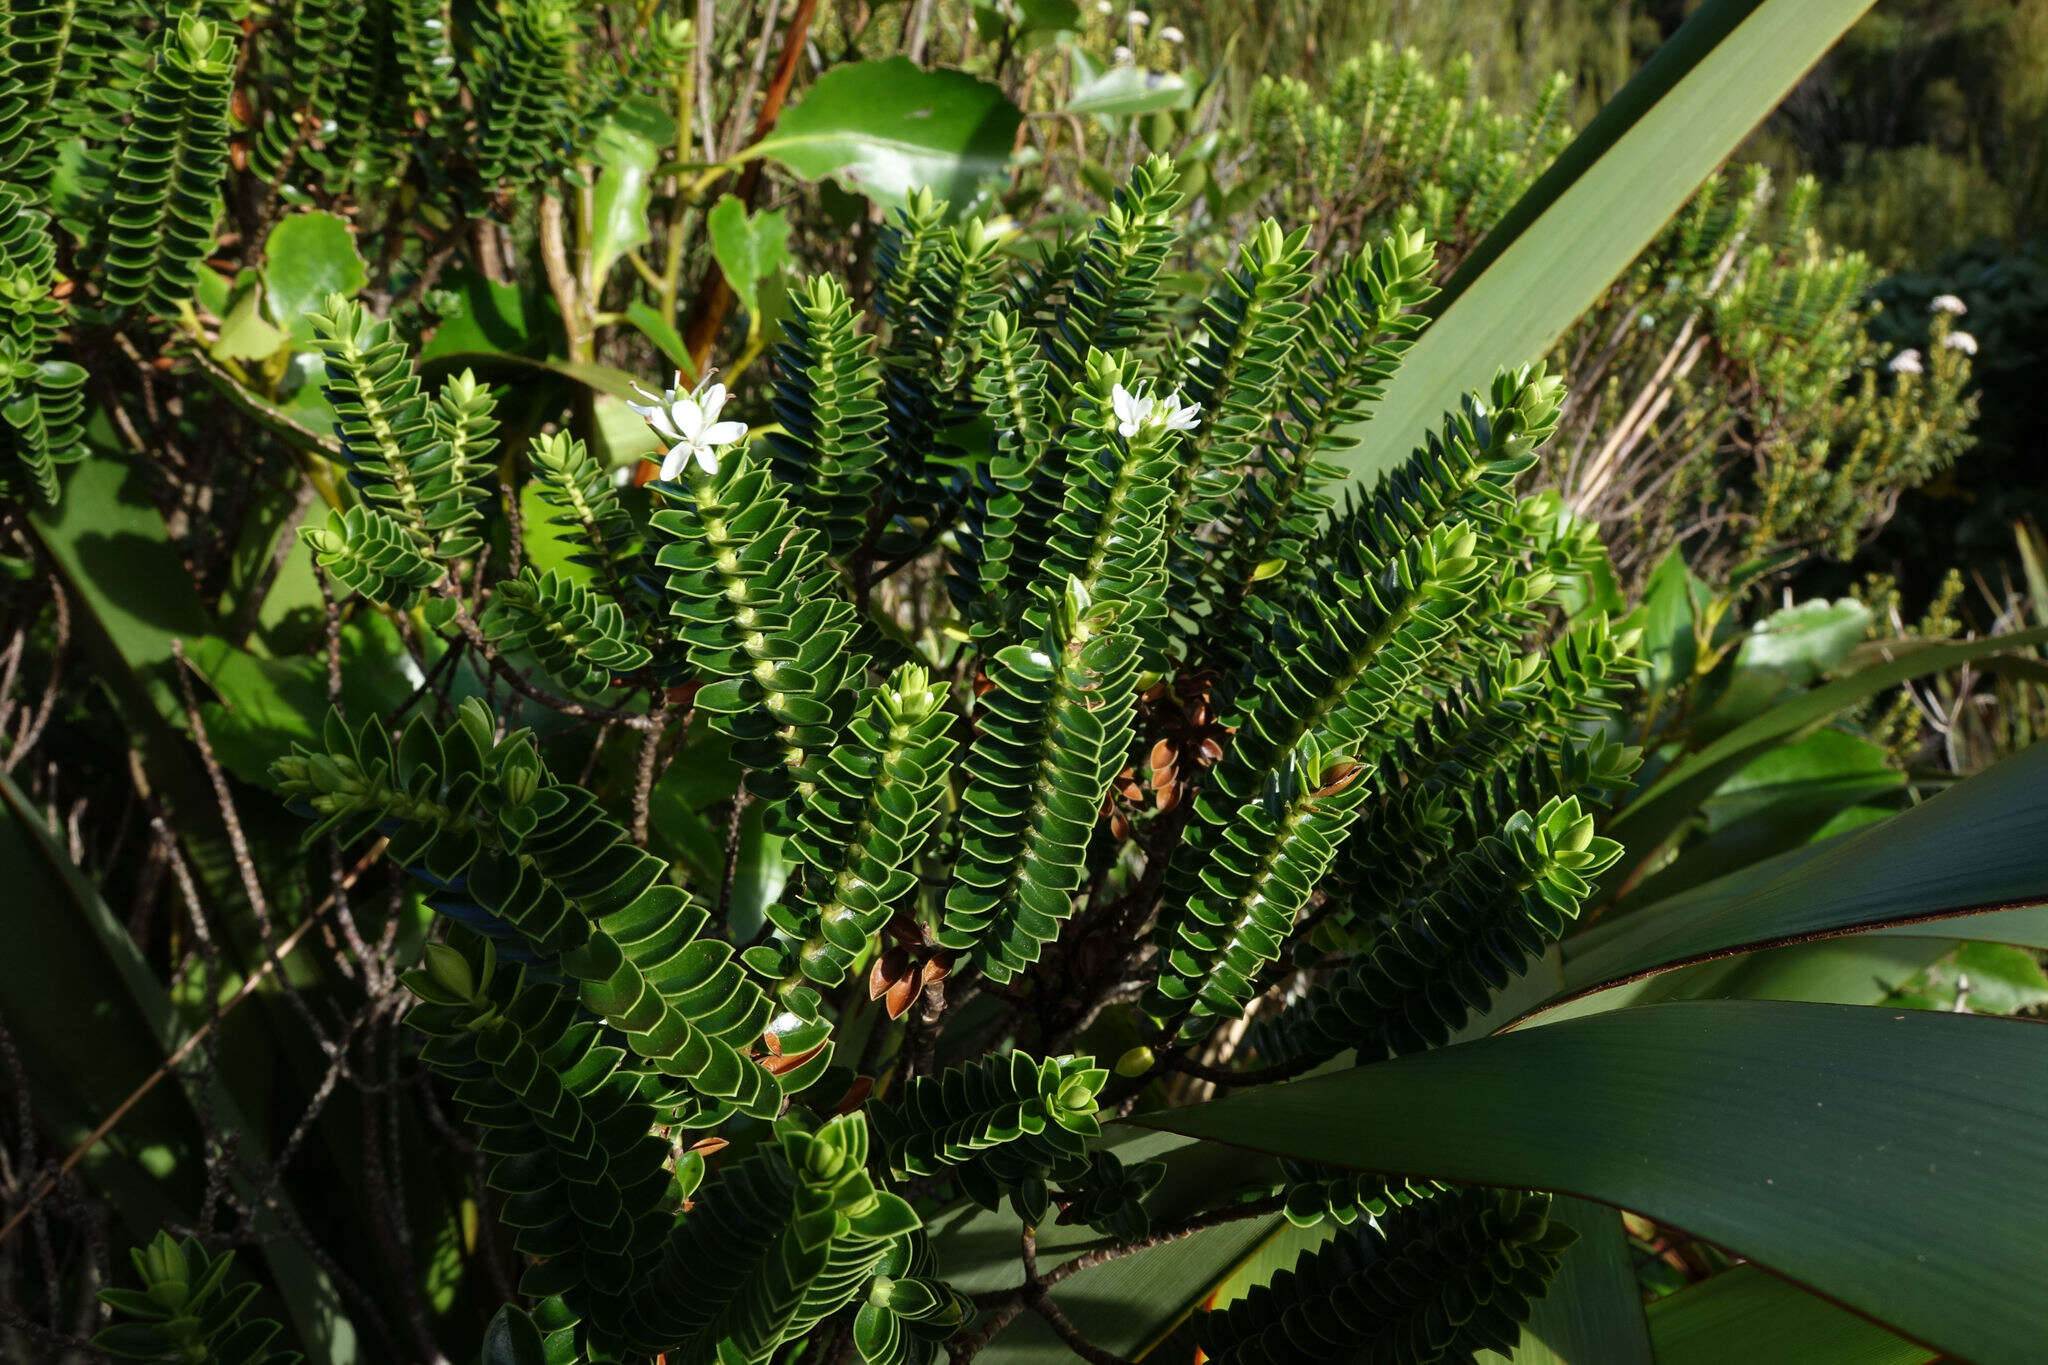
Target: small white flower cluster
<point x="1137" y="411"/>
<point x="1135" y="23"/>
<point x="1906" y="362"/>
<point x="1960" y="341"/>
<point x="690" y="422"/>
<point x="1946" y="303"/>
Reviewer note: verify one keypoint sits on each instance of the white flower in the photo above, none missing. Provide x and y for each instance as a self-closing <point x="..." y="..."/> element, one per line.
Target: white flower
<point x="1104" y="7"/>
<point x="1906" y="362"/>
<point x="1960" y="341"/>
<point x="1178" y="416"/>
<point x="1173" y="35"/>
<point x="1137" y="18"/>
<point x="690" y="422"/>
<point x="1946" y="303"/>
<point x="1121" y="55"/>
<point x="1131" y="410"/>
<point x="1136" y="411"/>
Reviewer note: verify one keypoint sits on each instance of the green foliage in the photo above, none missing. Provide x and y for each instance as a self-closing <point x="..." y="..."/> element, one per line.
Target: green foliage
<point x="41" y="404"/>
<point x="776" y="1244"/>
<point x="585" y="503"/>
<point x="1358" y="325"/>
<point x="907" y="1311"/>
<point x="755" y="605"/>
<point x="581" y="638"/>
<point x="1012" y="386"/>
<point x="523" y="97"/>
<point x="872" y="808"/>
<point x="944" y="1120"/>
<point x="541" y="869"/>
<point x="56" y="58"/>
<point x="165" y="176"/>
<point x="1027" y="691"/>
<point x="1438" y="1280"/>
<point x="1392" y="136"/>
<point x="185" y="1310"/>
<point x="420" y="462"/>
<point x="1238" y="366"/>
<point x="464" y="420"/>
<point x="1260" y="878"/>
<point x="570" y="1129"/>
<point x="1056" y="724"/>
<point x="827" y="397"/>
<point x="316" y="41"/>
<point x="1503" y="901"/>
<point x="370" y="553"/>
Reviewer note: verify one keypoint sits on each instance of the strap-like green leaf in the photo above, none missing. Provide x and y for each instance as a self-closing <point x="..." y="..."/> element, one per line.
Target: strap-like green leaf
<point x="1884" y="1183"/>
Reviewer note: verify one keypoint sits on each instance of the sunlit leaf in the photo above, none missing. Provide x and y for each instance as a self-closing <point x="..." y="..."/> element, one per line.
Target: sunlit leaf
<point x="885" y="128"/>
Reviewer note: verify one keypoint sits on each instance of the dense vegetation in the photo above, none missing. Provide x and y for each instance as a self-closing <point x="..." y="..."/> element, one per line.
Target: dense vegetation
<point x="762" y="682"/>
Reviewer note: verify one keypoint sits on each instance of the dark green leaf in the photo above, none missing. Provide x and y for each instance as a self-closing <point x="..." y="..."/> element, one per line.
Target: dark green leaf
<point x="1644" y="826"/>
<point x="307" y="257"/>
<point x="1903" y="869"/>
<point x="1868" y="1154"/>
<point x="1752" y="1316"/>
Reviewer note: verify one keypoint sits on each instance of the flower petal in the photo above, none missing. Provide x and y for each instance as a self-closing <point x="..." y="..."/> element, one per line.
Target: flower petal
<point x="673" y="462"/>
<point x="723" y="433"/>
<point x="710" y="401"/>
<point x="689" y="419"/>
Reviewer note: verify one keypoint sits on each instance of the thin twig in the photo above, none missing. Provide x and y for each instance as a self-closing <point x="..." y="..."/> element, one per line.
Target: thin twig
<point x="248" y="988"/>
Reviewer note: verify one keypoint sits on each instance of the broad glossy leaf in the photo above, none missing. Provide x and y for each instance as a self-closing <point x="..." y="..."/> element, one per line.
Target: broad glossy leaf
<point x="307" y="257"/>
<point x="1650" y="819"/>
<point x="1671" y="604"/>
<point x="661" y="331"/>
<point x="1814" y="787"/>
<point x="1862" y="970"/>
<point x="1600" y="204"/>
<point x="244" y="335"/>
<point x="1869" y="1154"/>
<point x="1129" y="90"/>
<point x="493" y="318"/>
<point x="1975" y="848"/>
<point x="750" y="248"/>
<point x="1752" y="1316"/>
<point x="626" y="149"/>
<point x="885" y="128"/>
<point x="1790" y="649"/>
